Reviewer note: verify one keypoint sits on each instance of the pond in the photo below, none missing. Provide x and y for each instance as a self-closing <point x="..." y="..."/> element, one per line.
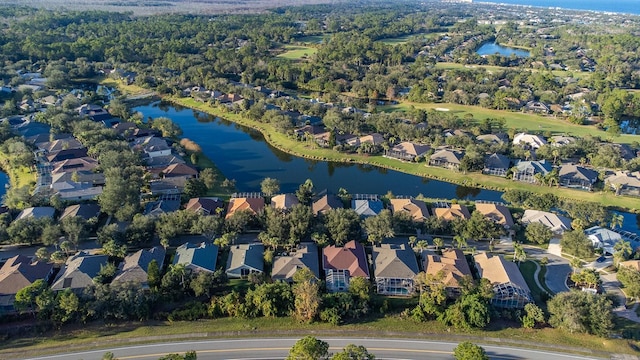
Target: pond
<point x="493" y="48"/>
<point x="4" y="182"/>
<point x="243" y="155"/>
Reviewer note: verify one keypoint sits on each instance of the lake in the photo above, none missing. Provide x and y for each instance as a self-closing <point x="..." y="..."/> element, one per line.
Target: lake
<point x="493" y="48"/>
<point x="243" y="155"/>
<point x="4" y="182"/>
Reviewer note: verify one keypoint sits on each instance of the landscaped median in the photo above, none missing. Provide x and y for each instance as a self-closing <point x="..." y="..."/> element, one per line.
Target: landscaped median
<point x="312" y="151"/>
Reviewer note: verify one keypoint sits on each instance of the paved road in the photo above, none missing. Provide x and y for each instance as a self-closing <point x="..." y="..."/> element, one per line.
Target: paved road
<point x="266" y="349"/>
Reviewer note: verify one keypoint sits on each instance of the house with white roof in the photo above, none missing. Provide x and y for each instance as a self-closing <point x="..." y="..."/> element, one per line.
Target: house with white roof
<point x="603" y="238"/>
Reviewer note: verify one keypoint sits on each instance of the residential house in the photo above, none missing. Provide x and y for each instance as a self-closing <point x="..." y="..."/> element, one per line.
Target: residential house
<point x="557" y="223"/>
<point x="497" y="139"/>
<point x="36" y="213"/>
<point x="197" y="257"/>
<point x="326" y="203"/>
<point x="79" y="271"/>
<point x="81" y="192"/>
<point x="455" y="211"/>
<point x="499" y="214"/>
<point x="624" y="183"/>
<point x="366" y="207"/>
<point x="537" y="107"/>
<point x="180" y="170"/>
<point x="374" y="139"/>
<point x="603" y="238"/>
<point x="576" y="176"/>
<point x="305" y="256"/>
<point x="245" y="259"/>
<point x="74" y="165"/>
<point x="161" y="162"/>
<point x="417" y="209"/>
<point x="561" y="140"/>
<point x="394" y="268"/>
<point x="452" y="266"/>
<point x="509" y="287"/>
<point x="309" y="130"/>
<point x="529" y="140"/>
<point x="75" y="180"/>
<point x="60" y="144"/>
<point x="284" y="201"/>
<point x="408" y="151"/>
<point x="135" y="267"/>
<point x="526" y="171"/>
<point x="340" y="264"/>
<point x="159" y="207"/>
<point x="85" y="211"/>
<point x="66" y="154"/>
<point x="17" y="273"/>
<point x="152" y="146"/>
<point x="496" y="164"/>
<point x="172" y="185"/>
<point x="253" y="205"/>
<point x="205" y="205"/>
<point x="446" y="158"/>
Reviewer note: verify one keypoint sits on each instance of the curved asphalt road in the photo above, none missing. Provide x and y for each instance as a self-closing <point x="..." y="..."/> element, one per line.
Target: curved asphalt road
<point x="268" y="349"/>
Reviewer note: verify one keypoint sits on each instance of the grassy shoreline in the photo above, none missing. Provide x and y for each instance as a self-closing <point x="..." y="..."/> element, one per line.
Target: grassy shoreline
<point x="312" y="151"/>
<point x="18" y="177"/>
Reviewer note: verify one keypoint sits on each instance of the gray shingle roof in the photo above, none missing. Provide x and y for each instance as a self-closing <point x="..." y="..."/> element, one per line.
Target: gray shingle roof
<point x="394" y="261"/>
<point x="198" y="256"/>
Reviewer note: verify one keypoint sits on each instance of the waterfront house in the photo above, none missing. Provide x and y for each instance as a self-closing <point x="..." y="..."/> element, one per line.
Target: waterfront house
<point x="624" y="183"/>
<point x="576" y="176"/>
<point x="205" y="205"/>
<point x="284" y="201"/>
<point x="197" y="257"/>
<point x="245" y="259"/>
<point x="394" y="268"/>
<point x="417" y="209"/>
<point x="446" y="158"/>
<point x="509" y="287"/>
<point x="304" y="256"/>
<point x="254" y="205"/>
<point x="454" y="211"/>
<point x="326" y="203"/>
<point x="496" y="164"/>
<point x="603" y="238"/>
<point x="340" y="264"/>
<point x="408" y="151"/>
<point x="367" y="207"/>
<point x="525" y="171"/>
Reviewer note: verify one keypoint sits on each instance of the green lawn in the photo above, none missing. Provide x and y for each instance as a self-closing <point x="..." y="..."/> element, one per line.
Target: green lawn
<point x="492" y="68"/>
<point x="518" y="120"/>
<point x="295" y="52"/>
<point x="311" y="151"/>
<point x="313" y="39"/>
<point x="19" y="176"/>
<point x="99" y="335"/>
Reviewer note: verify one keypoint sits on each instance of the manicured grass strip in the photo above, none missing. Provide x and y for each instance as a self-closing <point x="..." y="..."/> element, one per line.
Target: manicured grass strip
<point x="543" y="282"/>
<point x="518" y="120"/>
<point x="98" y="335"/>
<point x="295" y="52"/>
<point x="311" y="150"/>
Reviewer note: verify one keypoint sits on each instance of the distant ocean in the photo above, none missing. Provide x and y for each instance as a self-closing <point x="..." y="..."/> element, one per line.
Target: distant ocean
<point x="618" y="6"/>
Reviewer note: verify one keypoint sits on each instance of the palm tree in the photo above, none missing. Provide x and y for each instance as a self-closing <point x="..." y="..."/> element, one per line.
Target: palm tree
<point x="622" y="251"/>
<point x="616" y="221"/>
<point x="422" y="244"/>
<point x="518" y="253"/>
<point x="460" y="242"/>
<point x="438" y="243"/>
